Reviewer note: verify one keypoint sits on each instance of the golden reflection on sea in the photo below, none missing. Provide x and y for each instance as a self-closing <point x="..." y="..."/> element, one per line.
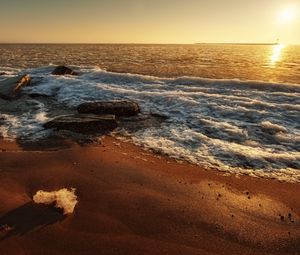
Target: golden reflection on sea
<point x="277" y="53"/>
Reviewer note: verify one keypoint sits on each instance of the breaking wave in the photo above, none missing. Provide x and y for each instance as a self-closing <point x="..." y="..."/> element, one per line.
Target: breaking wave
<point x="235" y="126"/>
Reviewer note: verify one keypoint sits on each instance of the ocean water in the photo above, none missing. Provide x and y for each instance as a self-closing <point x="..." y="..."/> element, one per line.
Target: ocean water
<point x="235" y="108"/>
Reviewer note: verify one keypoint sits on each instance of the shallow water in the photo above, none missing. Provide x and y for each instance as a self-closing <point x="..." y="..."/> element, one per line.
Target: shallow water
<point x="233" y="125"/>
<point x="246" y="62"/>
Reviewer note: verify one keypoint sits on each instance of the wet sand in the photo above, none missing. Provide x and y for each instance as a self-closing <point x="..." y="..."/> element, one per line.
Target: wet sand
<point x="135" y="202"/>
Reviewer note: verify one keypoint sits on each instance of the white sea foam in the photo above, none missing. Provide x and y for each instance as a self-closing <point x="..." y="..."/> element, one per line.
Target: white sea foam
<point x="27" y="125"/>
<point x="64" y="199"/>
<point x="238" y="126"/>
<point x="8" y="71"/>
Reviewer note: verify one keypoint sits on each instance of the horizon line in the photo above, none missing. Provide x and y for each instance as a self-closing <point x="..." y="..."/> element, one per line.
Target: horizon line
<point x="139" y="43"/>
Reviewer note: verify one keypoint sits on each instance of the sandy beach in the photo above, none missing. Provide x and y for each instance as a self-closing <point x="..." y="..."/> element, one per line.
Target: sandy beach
<point x="135" y="202"/>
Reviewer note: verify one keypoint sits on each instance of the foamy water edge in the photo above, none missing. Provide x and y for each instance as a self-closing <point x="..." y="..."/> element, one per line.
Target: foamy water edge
<point x="246" y="127"/>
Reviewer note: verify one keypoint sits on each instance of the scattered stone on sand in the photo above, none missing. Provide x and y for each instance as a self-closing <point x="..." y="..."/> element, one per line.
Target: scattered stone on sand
<point x="10" y="88"/>
<point x="83" y="123"/>
<point x="118" y="108"/>
<point x="63" y="70"/>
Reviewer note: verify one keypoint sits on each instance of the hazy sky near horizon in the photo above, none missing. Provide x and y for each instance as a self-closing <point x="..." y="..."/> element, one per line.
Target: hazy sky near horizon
<point x="149" y="21"/>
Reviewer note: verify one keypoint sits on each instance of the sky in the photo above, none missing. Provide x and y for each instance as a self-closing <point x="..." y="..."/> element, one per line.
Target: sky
<point x="149" y="21"/>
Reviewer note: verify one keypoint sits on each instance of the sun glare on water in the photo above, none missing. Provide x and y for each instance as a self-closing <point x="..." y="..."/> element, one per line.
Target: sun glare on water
<point x="276" y="54"/>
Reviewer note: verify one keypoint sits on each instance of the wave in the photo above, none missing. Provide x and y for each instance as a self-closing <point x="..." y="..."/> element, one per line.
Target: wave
<point x="237" y="126"/>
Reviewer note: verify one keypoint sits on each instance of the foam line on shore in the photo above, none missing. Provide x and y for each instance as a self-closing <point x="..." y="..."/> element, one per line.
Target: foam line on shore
<point x="236" y="126"/>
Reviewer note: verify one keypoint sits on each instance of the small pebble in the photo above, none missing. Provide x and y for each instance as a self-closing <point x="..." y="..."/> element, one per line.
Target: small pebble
<point x="5" y="227"/>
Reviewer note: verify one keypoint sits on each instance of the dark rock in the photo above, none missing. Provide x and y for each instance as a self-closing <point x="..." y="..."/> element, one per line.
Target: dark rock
<point x="159" y="116"/>
<point x="80" y="138"/>
<point x="2" y="121"/>
<point x="63" y="70"/>
<point x="38" y="95"/>
<point x="36" y="81"/>
<point x="84" y="123"/>
<point x="118" y="108"/>
<point x="2" y="73"/>
<point x="11" y="87"/>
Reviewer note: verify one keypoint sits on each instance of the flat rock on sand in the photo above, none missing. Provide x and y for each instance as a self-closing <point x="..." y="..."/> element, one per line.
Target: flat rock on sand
<point x="83" y="123"/>
<point x="10" y="88"/>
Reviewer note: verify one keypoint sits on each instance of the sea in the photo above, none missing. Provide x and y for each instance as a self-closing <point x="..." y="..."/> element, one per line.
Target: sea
<point x="234" y="108"/>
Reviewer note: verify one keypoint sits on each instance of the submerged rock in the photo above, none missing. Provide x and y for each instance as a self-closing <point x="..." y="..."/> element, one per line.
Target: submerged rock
<point x="63" y="70"/>
<point x="84" y="123"/>
<point x="118" y="108"/>
<point x="11" y="87"/>
<point x="38" y="95"/>
<point x="159" y="116"/>
<point x="141" y="121"/>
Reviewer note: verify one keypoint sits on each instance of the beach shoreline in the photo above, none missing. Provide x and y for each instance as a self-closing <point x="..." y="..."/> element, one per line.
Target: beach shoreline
<point x="132" y="201"/>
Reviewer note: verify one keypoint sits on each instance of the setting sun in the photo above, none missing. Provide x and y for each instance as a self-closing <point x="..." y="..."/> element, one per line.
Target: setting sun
<point x="287" y="15"/>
